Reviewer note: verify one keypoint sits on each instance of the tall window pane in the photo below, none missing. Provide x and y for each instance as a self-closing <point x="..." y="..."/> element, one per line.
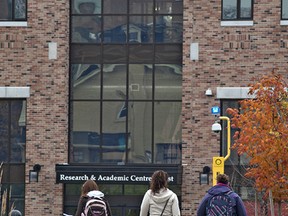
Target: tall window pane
<point x="20" y="9"/>
<point x="114" y="81"/>
<point x="284" y="9"/>
<point x="114" y="136"/>
<point x="167" y="132"/>
<point x="229" y="8"/>
<point x="85" y="81"/>
<point x="12" y="152"/>
<point x="140" y="81"/>
<point x="85" y="134"/>
<point x="168" y="81"/>
<point x="245" y="9"/>
<point x="139" y="126"/>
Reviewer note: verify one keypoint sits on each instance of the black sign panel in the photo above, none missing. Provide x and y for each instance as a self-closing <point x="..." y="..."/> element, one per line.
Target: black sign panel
<point x="66" y="173"/>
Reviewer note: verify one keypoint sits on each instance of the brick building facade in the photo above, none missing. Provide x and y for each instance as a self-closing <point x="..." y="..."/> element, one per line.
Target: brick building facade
<point x="216" y="53"/>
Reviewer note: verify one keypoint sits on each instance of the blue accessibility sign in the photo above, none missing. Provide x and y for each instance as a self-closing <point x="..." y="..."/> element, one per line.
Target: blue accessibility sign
<point x="215" y="110"/>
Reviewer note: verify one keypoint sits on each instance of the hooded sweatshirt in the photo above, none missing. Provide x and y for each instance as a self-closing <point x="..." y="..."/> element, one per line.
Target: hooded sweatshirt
<point x="217" y="189"/>
<point x="84" y="199"/>
<point x="154" y="203"/>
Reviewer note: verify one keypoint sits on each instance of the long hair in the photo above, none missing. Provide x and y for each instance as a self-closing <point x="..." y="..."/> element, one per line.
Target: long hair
<point x="89" y="185"/>
<point x="159" y="180"/>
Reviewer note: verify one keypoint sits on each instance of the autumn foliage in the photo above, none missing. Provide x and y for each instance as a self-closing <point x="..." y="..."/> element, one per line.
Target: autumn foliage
<point x="263" y="134"/>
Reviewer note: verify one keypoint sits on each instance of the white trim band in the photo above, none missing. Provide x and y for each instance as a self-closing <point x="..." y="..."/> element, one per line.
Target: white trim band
<point x="237" y="23"/>
<point x="14" y="24"/>
<point x="14" y="92"/>
<point x="233" y="93"/>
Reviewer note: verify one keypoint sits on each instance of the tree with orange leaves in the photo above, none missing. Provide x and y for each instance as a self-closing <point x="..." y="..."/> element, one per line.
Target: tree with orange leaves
<point x="263" y="135"/>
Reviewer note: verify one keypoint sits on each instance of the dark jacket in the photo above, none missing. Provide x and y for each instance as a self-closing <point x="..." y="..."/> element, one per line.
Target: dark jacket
<point x="217" y="189"/>
<point x="83" y="200"/>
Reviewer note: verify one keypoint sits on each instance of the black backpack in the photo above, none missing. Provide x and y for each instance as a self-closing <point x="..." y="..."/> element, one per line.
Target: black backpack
<point x="221" y="204"/>
<point x="95" y="206"/>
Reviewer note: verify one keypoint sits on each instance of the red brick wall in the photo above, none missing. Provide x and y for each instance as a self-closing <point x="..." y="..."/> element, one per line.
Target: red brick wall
<point x="24" y="62"/>
<point x="228" y="56"/>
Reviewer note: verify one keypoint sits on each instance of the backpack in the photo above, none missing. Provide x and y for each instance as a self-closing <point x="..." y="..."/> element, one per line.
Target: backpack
<point x="221" y="205"/>
<point x="95" y="206"/>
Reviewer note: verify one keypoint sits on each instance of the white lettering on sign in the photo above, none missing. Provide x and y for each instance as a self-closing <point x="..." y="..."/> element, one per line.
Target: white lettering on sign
<point x="113" y="178"/>
<point x="140" y="178"/>
<point x="109" y="178"/>
<point x="73" y="178"/>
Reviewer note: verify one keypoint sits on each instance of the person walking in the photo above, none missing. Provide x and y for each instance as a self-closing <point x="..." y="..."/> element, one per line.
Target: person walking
<point x="89" y="190"/>
<point x="220" y="200"/>
<point x="159" y="200"/>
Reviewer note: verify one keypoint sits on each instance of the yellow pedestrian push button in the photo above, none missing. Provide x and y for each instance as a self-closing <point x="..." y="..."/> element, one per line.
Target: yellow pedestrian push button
<point x="217" y="168"/>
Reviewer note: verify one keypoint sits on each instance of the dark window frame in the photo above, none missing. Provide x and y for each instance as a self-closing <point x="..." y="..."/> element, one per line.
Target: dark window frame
<point x="11" y="182"/>
<point x="11" y="16"/>
<point x="157" y="55"/>
<point x="238" y="12"/>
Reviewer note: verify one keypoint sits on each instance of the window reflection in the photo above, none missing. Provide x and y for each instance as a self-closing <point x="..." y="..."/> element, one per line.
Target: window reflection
<point x="85" y="81"/>
<point x="115" y="6"/>
<point x="126" y="74"/>
<point x="139" y="126"/>
<point x="167" y="132"/>
<point x="141" y="7"/>
<point x="85" y="131"/>
<point x="20" y="9"/>
<point x="168" y="81"/>
<point x="13" y="131"/>
<point x="140" y="81"/>
<point x="114" y="81"/>
<point x="86" y="29"/>
<point x="284" y="9"/>
<point x="236" y="9"/>
<point x="86" y="6"/>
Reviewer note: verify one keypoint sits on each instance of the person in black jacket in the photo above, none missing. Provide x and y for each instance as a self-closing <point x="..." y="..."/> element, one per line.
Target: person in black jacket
<point x="222" y="187"/>
<point x="90" y="189"/>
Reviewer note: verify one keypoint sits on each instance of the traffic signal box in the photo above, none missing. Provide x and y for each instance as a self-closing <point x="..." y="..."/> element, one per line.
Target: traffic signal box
<point x="217" y="168"/>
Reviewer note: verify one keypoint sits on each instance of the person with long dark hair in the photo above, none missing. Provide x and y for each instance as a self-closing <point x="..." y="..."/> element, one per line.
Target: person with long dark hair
<point x="90" y="189"/>
<point x="159" y="199"/>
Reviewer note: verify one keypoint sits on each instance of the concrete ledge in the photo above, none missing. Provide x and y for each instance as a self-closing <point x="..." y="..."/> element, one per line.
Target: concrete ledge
<point x="233" y="93"/>
<point x="14" y="24"/>
<point x="237" y="23"/>
<point x="14" y="92"/>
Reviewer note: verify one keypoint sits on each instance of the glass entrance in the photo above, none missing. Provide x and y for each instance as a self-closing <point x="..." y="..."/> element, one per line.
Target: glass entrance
<point x="124" y="200"/>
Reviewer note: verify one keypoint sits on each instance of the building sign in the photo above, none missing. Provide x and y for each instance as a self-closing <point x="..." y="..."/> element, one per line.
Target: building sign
<point x="112" y="175"/>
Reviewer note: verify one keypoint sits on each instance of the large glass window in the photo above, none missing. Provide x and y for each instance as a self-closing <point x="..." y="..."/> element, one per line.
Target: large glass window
<point x="147" y="21"/>
<point x="13" y="10"/>
<point x="284" y="10"/>
<point x="126" y="82"/>
<point x="12" y="153"/>
<point x="237" y="9"/>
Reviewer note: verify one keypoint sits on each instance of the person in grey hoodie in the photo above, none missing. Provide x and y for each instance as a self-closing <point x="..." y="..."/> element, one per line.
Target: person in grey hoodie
<point x="90" y="189"/>
<point x="222" y="186"/>
<point x="159" y="200"/>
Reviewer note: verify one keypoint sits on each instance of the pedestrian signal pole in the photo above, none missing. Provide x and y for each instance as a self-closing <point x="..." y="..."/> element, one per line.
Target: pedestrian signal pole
<point x="219" y="162"/>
